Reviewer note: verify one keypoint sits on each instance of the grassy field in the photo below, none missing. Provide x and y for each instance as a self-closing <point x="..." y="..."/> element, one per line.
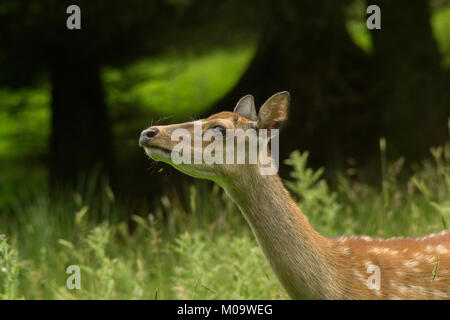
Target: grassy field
<point x="204" y="250"/>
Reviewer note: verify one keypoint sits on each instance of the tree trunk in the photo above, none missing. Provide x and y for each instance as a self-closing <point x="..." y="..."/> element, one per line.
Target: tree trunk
<point x="306" y="50"/>
<point x="407" y="81"/>
<point x="81" y="139"/>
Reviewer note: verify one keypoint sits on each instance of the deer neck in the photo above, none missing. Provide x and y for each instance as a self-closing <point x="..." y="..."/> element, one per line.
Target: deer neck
<point x="301" y="258"/>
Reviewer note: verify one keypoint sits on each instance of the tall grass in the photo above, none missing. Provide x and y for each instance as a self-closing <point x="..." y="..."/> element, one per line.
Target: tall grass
<point x="204" y="251"/>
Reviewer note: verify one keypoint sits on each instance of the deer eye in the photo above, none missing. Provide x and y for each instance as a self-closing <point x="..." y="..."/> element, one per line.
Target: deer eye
<point x="221" y="129"/>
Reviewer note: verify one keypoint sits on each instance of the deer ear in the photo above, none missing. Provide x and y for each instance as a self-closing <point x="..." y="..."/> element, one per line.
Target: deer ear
<point x="274" y="112"/>
<point x="246" y="108"/>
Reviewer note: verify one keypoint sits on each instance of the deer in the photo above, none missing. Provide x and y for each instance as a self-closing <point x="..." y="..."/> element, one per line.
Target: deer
<point x="307" y="264"/>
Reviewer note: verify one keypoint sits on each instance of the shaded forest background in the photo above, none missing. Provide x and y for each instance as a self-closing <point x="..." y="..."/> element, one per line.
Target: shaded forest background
<point x="73" y="102"/>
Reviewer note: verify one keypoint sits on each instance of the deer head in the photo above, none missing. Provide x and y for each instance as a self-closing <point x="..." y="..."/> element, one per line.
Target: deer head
<point x="223" y="144"/>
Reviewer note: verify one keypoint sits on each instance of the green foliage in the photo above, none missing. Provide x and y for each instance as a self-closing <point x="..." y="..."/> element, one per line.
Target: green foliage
<point x="410" y="206"/>
<point x="177" y="85"/>
<point x="440" y="22"/>
<point x="356" y="25"/>
<point x="23" y="113"/>
<point x="159" y="259"/>
<point x="206" y="272"/>
<point x="313" y="194"/>
<point x="9" y="270"/>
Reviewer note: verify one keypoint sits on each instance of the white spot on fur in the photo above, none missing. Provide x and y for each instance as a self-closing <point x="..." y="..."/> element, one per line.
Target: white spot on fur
<point x="411" y="263"/>
<point x="383" y="251"/>
<point x="418" y="256"/>
<point x="441" y="249"/>
<point x="358" y="275"/>
<point x="440" y="295"/>
<point x="375" y="250"/>
<point x="400" y="273"/>
<point x="419" y="290"/>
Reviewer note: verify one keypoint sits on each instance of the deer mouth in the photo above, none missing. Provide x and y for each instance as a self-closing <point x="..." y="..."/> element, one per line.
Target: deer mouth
<point x="158" y="152"/>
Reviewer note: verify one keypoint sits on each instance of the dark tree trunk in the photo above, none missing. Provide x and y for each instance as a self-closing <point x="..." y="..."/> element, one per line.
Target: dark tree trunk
<point x="81" y="138"/>
<point x="407" y="83"/>
<point x="306" y="50"/>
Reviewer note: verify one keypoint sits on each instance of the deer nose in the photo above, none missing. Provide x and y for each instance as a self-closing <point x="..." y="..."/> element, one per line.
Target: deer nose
<point x="147" y="135"/>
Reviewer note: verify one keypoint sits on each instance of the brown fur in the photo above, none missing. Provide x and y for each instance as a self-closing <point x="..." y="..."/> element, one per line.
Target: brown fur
<point x="308" y="264"/>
